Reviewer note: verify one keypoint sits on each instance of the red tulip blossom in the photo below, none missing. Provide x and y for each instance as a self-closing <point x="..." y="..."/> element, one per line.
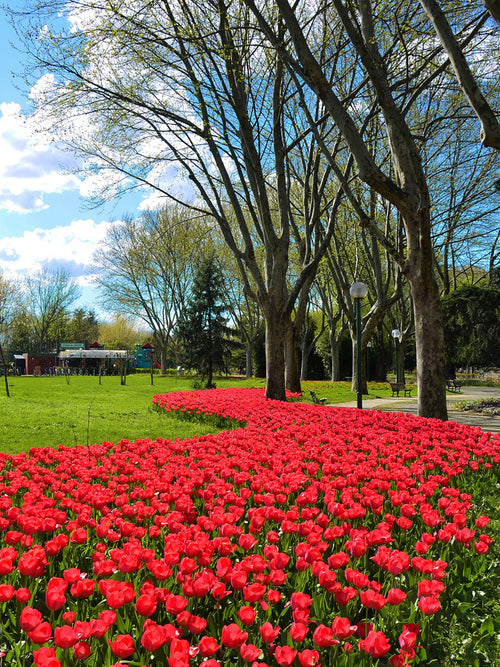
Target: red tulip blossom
<point x="122" y="646"/>
<point x="375" y="644"/>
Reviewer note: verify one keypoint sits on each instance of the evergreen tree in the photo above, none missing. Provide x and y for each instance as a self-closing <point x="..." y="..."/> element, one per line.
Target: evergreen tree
<point x="202" y="329"/>
<point x="472" y="326"/>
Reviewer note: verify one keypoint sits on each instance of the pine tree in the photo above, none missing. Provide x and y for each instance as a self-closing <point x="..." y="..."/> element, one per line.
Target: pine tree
<point x="202" y="330"/>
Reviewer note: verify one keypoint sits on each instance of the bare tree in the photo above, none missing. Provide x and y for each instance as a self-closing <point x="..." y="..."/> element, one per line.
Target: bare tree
<point x="50" y="293"/>
<point x="470" y="81"/>
<point x="145" y="267"/>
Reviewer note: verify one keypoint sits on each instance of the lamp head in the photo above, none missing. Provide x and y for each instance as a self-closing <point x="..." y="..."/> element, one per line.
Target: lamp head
<point x="358" y="290"/>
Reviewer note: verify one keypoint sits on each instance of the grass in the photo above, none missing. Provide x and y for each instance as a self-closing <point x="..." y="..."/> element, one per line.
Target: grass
<point x="49" y="411"/>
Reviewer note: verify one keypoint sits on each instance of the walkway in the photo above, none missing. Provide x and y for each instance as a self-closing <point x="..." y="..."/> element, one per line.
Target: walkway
<point x="485" y="422"/>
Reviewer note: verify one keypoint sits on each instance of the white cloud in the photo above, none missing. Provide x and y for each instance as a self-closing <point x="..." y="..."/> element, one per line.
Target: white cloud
<point x="70" y="246"/>
<point x="30" y="165"/>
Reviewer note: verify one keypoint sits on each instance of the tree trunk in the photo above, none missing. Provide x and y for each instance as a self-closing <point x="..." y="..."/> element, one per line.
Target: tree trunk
<point x="431" y="381"/>
<point x="210" y="373"/>
<point x="292" y="369"/>
<point x="163" y="362"/>
<point x="123" y="373"/>
<point x="249" y="360"/>
<point x="304" y="361"/>
<point x="354" y="384"/>
<point x="429" y="336"/>
<point x="400" y="370"/>
<point x="275" y="356"/>
<point x="2" y="357"/>
<point x="335" y="352"/>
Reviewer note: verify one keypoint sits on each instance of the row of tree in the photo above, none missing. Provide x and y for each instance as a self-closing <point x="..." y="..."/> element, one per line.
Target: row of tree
<point x="214" y="324"/>
<point x="292" y="128"/>
<point x="37" y="315"/>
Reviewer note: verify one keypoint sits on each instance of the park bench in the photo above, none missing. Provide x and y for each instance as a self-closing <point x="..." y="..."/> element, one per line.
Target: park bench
<point x="316" y="400"/>
<point x="400" y="386"/>
<point x="453" y="385"/>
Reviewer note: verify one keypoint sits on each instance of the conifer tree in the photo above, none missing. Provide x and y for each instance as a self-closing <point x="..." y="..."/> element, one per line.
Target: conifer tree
<point x="202" y="330"/>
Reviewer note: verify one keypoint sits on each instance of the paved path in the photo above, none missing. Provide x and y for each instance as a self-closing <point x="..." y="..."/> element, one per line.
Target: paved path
<point x="485" y="422"/>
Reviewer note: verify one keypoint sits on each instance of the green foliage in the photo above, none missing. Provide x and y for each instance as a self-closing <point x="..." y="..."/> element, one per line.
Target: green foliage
<point x="83" y="326"/>
<point x="203" y="330"/>
<point x="471" y="317"/>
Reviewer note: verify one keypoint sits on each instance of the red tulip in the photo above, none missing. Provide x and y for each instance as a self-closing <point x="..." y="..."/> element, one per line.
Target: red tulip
<point x="65" y="636"/>
<point x="45" y="657"/>
<point x="395" y="596"/>
<point x="29" y="619"/>
<point x="375" y="644"/>
<point x="145" y="604"/>
<point x="309" y="658"/>
<point x="249" y="652"/>
<point x="207" y="646"/>
<point x="41" y="634"/>
<point x="246" y="615"/>
<point x="122" y="646"/>
<point x="284" y="655"/>
<point x="323" y="636"/>
<point x="268" y="632"/>
<point x="232" y="636"/>
<point x="429" y="605"/>
<point x="153" y="637"/>
<point x="81" y="650"/>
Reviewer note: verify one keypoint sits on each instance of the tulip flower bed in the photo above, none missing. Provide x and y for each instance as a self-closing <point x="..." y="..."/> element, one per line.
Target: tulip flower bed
<point x="304" y="536"/>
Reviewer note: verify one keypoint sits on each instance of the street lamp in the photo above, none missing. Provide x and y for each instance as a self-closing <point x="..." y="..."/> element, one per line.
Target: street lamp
<point x="396" y="334"/>
<point x="358" y="291"/>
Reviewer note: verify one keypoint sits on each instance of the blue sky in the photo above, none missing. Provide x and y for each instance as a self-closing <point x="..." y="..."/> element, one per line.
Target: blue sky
<point x="43" y="216"/>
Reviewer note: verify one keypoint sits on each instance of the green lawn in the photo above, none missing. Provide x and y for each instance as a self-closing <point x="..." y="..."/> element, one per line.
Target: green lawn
<point x="48" y="411"/>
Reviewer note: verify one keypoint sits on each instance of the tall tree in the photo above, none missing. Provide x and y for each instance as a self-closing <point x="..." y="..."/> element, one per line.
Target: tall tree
<point x="83" y="326"/>
<point x="50" y="294"/>
<point x="471" y="82"/>
<point x="121" y="333"/>
<point x="144" y="268"/>
<point x="202" y="328"/>
<point x="472" y="317"/>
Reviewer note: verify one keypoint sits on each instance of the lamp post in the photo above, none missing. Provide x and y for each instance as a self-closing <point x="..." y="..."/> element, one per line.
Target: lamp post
<point x="358" y="291"/>
<point x="396" y="334"/>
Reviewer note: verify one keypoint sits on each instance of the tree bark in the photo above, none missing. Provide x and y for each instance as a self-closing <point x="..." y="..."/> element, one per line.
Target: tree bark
<point x="493" y="6"/>
<point x="249" y="360"/>
<point x="335" y="352"/>
<point x="2" y="357"/>
<point x="292" y="369"/>
<point x="163" y="362"/>
<point x="304" y="361"/>
<point x="429" y="336"/>
<point x="354" y="384"/>
<point x="275" y="357"/>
